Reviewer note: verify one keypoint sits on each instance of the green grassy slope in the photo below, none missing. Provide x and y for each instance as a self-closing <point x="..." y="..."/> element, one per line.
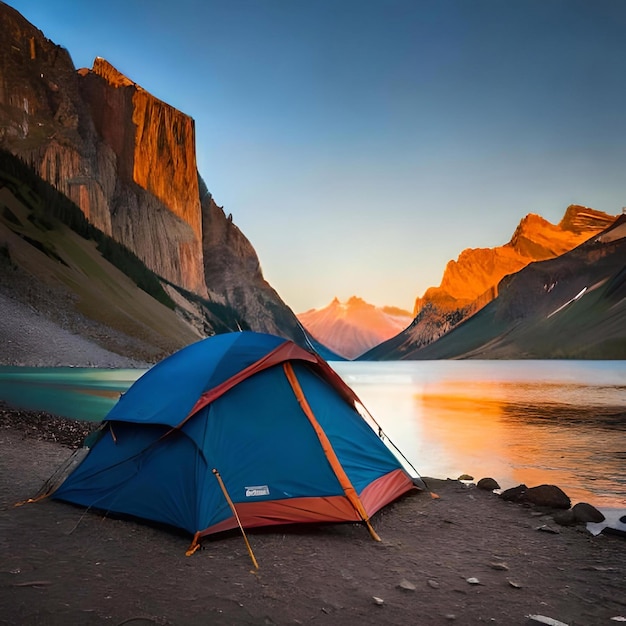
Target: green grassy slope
<point x="65" y="275"/>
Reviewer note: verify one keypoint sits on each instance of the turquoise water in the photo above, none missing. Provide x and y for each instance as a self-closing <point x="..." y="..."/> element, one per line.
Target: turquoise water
<point x="533" y="422"/>
<point x="77" y="392"/>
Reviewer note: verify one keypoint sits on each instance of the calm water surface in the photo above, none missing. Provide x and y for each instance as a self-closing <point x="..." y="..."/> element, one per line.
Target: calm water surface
<point x="533" y="422"/>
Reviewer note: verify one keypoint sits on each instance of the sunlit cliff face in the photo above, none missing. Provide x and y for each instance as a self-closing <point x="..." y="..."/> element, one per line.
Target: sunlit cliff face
<point x="477" y="271"/>
<point x="127" y="159"/>
<point x="124" y="157"/>
<point x="158" y="149"/>
<point x="155" y="150"/>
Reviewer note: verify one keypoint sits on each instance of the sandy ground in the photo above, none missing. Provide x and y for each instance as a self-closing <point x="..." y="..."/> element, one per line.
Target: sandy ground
<point x="62" y="565"/>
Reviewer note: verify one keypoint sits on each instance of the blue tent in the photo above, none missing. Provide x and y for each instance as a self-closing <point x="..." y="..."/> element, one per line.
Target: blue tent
<point x="273" y="420"/>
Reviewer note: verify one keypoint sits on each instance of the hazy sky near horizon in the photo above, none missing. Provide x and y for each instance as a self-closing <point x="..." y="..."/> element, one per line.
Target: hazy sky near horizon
<point x="362" y="144"/>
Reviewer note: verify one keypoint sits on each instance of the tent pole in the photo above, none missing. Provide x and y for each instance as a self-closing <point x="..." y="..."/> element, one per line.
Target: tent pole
<point x="234" y="510"/>
<point x="327" y="447"/>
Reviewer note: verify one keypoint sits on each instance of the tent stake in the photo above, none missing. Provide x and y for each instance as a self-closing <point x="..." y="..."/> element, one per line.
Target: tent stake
<point x="234" y="510"/>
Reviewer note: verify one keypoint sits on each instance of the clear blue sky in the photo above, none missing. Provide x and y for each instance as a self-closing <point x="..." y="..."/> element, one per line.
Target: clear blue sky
<point x="362" y="144"/>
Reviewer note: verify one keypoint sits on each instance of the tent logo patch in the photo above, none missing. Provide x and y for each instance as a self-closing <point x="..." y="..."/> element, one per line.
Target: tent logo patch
<point x="258" y="490"/>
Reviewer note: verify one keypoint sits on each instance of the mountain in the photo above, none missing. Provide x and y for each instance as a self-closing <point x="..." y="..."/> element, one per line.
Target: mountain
<point x="572" y="306"/>
<point x="353" y="327"/>
<point x="128" y="161"/>
<point x="472" y="281"/>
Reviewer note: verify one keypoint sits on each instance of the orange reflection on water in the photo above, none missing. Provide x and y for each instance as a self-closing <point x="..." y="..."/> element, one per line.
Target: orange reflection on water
<point x="485" y="430"/>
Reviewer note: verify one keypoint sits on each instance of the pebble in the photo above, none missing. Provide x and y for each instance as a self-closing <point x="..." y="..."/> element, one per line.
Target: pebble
<point x="499" y="565"/>
<point x="548" y="529"/>
<point x="44" y="426"/>
<point x="406" y="585"/>
<point x="542" y="619"/>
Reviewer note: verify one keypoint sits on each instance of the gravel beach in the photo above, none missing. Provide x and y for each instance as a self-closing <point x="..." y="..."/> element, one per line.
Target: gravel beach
<point x="466" y="557"/>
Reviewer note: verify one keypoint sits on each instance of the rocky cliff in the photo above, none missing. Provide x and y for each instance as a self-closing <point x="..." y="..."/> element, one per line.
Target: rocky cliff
<point x="230" y="263"/>
<point x="45" y="121"/>
<point x="471" y="282"/>
<point x="156" y="207"/>
<point x="128" y="161"/>
<point x="477" y="271"/>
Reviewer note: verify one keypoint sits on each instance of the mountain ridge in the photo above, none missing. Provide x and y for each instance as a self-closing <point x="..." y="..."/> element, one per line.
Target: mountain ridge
<point x="570" y="306"/>
<point x="477" y="271"/>
<point x="472" y="280"/>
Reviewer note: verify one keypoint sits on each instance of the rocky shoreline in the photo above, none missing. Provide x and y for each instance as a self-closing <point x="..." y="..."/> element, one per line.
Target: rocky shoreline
<point x="43" y="426"/>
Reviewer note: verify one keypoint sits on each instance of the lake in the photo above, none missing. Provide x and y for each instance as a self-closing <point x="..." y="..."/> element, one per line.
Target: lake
<point x="532" y="422"/>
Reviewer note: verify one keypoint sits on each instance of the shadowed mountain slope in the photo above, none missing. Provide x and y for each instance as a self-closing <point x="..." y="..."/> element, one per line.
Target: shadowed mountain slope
<point x="83" y="283"/>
